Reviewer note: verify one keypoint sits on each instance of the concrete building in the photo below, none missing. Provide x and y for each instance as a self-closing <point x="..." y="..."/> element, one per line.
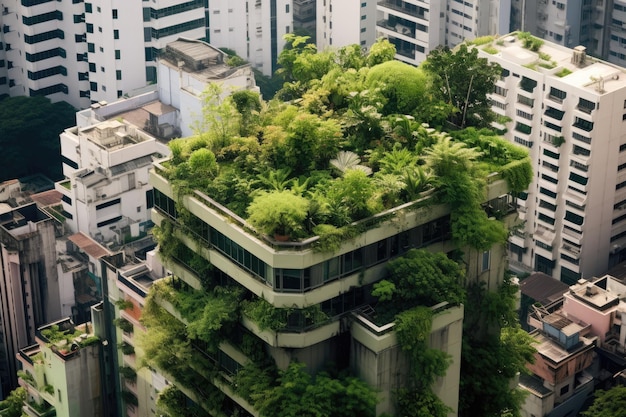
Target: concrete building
<point x="186" y="68"/>
<point x="62" y="371"/>
<point x="417" y="27"/>
<point x="561" y="377"/>
<point x="252" y="28"/>
<point x="294" y="275"/>
<point x="29" y="285"/>
<point x="589" y="315"/>
<point x="342" y="23"/>
<point x="107" y="155"/>
<point x="128" y="284"/>
<point x="106" y="194"/>
<point x="568" y="110"/>
<point x="82" y="52"/>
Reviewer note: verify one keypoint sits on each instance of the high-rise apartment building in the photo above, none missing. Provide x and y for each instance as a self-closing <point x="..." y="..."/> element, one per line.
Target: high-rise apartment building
<point x="418" y="27"/>
<point x="252" y="28"/>
<point x="341" y="23"/>
<point x="29" y="285"/>
<point x="569" y="110"/>
<point x="85" y="52"/>
<point x="600" y="26"/>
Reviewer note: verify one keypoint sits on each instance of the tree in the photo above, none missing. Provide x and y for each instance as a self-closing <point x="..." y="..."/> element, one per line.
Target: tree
<point x="12" y="405"/>
<point x="29" y="136"/>
<point x="426" y="278"/>
<point x="463" y="80"/>
<point x="381" y="51"/>
<point x="609" y="403"/>
<point x="405" y="87"/>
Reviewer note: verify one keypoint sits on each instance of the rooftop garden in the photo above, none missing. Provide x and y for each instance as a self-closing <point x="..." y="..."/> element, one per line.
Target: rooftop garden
<point x="347" y="138"/>
<point x="64" y="338"/>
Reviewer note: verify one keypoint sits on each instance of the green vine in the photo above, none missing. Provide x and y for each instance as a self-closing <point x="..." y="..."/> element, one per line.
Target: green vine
<point x="417" y="399"/>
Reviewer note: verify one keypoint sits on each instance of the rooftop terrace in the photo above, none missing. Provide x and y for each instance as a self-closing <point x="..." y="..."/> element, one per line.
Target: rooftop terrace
<point x="571" y="66"/>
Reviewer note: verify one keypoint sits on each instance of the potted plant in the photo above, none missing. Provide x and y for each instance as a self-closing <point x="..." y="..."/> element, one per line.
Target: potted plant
<point x="281" y="214"/>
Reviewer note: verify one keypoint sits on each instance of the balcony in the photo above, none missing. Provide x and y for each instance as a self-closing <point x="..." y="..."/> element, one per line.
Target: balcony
<point x="397" y="28"/>
<point x="406" y="8"/>
<point x="583" y="124"/>
<point x="34" y="409"/>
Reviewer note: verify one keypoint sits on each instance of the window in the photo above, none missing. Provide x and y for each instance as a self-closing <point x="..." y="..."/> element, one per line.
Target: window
<point x="586" y="105"/>
<point x="40" y="18"/>
<point x="557" y="95"/>
<point x="501" y="91"/>
<point x="88" y="7"/>
<point x="286" y="8"/>
<point x="528" y="84"/>
<point x="583" y="124"/>
<point x="523" y="128"/>
<point x="546" y="219"/>
<point x="547" y="192"/>
<point x="91" y="47"/>
<point x="549" y="179"/>
<point x="118" y="74"/>
<point x="486" y="260"/>
<point x="116" y="34"/>
<point x="578" y="178"/>
<point x="117" y="54"/>
<point x="93" y="86"/>
<point x="114" y="11"/>
<point x="89" y="27"/>
<point x="92" y="67"/>
<point x="525" y="100"/>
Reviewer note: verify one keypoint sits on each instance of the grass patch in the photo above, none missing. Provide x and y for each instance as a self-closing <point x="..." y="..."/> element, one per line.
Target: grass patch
<point x="482" y="40"/>
<point x="490" y="50"/>
<point x="563" y="73"/>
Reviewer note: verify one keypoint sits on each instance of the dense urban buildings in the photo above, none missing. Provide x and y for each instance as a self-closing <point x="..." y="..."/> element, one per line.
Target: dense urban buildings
<point x="416" y="27"/>
<point x="97" y="51"/>
<point x="567" y="108"/>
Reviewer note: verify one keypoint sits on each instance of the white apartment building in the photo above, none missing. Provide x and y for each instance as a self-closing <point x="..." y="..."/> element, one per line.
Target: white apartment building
<point x="252" y="28"/>
<point x="417" y="27"/>
<point x="107" y="155"/>
<point x="186" y="67"/>
<point x="85" y="52"/>
<point x="341" y="23"/>
<point x="569" y="110"/>
<point x="106" y="193"/>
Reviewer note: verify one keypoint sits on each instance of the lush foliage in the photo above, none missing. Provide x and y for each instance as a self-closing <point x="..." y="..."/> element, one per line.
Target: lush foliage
<point x="266" y="316"/>
<point x="419" y="277"/>
<point x="210" y="315"/>
<point x="425" y="365"/>
<point x="12" y="405"/>
<point x="32" y="123"/>
<point x="296" y="393"/>
<point x="451" y="70"/>
<point x="175" y="404"/>
<point x="279" y="212"/>
<point x="492" y="339"/>
<point x="352" y="142"/>
<point x="608" y="403"/>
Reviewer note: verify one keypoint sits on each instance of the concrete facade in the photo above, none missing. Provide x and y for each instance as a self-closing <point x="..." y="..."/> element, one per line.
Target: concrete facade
<point x="29" y="284"/>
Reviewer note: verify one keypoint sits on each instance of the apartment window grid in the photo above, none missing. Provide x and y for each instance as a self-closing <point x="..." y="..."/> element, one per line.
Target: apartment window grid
<point x="173" y="30"/>
<point x="45" y="17"/>
<point x="525" y="115"/>
<point x="172" y="10"/>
